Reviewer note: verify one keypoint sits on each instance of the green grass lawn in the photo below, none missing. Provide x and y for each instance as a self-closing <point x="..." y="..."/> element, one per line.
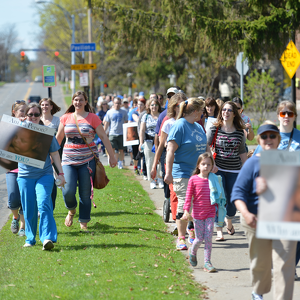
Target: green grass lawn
<point x="2" y="83"/>
<point x="127" y="253"/>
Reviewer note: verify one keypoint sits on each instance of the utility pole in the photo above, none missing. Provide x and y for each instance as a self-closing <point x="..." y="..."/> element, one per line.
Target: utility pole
<point x="92" y="92"/>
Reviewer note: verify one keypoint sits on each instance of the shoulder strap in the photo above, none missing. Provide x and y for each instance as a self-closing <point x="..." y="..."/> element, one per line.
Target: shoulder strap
<point x="290" y="141"/>
<point x="84" y="137"/>
<point x="213" y="143"/>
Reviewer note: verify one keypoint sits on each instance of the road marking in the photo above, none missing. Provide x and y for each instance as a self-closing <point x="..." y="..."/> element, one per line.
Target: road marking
<point x="28" y="91"/>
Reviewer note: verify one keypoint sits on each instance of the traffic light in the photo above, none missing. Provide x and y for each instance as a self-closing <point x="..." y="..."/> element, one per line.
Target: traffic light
<point x="22" y="53"/>
<point x="56" y="53"/>
<point x="105" y="85"/>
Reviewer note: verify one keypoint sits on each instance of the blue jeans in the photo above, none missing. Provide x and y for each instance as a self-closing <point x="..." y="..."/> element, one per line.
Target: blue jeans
<point x="74" y="173"/>
<point x="13" y="193"/>
<point x="36" y="196"/>
<point x="228" y="180"/>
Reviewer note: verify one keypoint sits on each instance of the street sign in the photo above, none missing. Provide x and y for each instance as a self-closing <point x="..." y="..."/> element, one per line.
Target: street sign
<point x="290" y="59"/>
<point x="83" y="79"/>
<point x="49" y="76"/>
<point x="84" y="67"/>
<point x="238" y="64"/>
<point x="83" y="47"/>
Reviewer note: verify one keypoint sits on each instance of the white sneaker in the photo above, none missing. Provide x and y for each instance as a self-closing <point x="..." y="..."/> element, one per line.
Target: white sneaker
<point x="120" y="165"/>
<point x="160" y="183"/>
<point x="296" y="276"/>
<point x="28" y="245"/>
<point x="145" y="178"/>
<point x="48" y="245"/>
<point x="256" y="296"/>
<point x="152" y="185"/>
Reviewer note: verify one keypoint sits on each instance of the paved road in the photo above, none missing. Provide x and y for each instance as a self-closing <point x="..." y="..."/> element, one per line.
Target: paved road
<point x="9" y="93"/>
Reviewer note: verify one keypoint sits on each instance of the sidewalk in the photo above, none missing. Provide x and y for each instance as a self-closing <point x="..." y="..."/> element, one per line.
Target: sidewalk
<point x="230" y="258"/>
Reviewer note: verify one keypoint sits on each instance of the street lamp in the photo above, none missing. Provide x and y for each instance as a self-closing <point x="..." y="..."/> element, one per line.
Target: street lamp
<point x="72" y="27"/>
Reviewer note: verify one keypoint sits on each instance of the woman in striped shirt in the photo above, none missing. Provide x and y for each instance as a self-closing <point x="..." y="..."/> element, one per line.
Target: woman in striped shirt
<point x="78" y="160"/>
<point x="231" y="154"/>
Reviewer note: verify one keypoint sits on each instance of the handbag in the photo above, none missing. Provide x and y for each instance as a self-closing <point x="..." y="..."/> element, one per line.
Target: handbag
<point x="100" y="179"/>
<point x="213" y="144"/>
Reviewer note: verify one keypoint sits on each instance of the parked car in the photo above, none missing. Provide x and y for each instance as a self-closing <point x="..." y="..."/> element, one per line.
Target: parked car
<point x="38" y="79"/>
<point x="34" y="99"/>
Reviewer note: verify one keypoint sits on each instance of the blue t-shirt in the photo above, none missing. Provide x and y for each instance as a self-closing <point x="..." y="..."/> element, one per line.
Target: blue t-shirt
<point x="285" y="138"/>
<point x="191" y="140"/>
<point x="245" y="185"/>
<point x="116" y="119"/>
<point x="35" y="173"/>
<point x="159" y="121"/>
<point x="131" y="113"/>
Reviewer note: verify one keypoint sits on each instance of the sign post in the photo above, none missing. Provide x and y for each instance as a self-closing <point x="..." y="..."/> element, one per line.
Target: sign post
<point x="242" y="67"/>
<point x="49" y="78"/>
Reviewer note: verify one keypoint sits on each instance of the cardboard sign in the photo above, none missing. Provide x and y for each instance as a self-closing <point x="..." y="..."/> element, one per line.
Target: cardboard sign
<point x="130" y="134"/>
<point x="23" y="142"/>
<point x="279" y="205"/>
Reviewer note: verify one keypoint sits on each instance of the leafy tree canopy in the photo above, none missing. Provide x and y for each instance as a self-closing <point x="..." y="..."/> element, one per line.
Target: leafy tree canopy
<point x="226" y="27"/>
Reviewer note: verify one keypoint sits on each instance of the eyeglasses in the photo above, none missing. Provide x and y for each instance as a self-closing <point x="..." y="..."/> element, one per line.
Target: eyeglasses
<point x="154" y="105"/>
<point x="35" y="114"/>
<point x="271" y="136"/>
<point x="104" y="103"/>
<point x="227" y="109"/>
<point x="290" y="114"/>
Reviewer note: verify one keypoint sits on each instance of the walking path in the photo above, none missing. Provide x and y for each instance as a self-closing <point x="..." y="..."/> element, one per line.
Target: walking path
<point x="230" y="258"/>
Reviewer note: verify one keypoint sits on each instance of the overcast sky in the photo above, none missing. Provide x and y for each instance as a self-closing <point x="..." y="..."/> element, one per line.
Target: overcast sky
<point x="23" y="14"/>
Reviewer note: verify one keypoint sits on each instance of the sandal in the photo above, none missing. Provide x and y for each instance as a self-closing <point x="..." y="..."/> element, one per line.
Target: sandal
<point x="83" y="227"/>
<point x="230" y="231"/>
<point x="69" y="219"/>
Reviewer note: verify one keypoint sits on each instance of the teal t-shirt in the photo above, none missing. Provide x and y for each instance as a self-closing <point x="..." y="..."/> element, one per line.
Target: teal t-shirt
<point x="191" y="140"/>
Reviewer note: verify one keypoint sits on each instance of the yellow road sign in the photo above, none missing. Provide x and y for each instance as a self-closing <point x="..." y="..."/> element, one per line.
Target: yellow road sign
<point x="83" y="67"/>
<point x="290" y="59"/>
<point x="134" y="86"/>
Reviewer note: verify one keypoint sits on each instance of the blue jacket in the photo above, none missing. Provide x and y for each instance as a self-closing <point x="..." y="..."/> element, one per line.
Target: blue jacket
<point x="217" y="196"/>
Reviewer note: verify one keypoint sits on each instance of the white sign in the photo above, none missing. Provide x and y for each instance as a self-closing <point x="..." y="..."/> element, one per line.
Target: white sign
<point x="84" y="79"/>
<point x="239" y="62"/>
<point x="130" y="134"/>
<point x="279" y="205"/>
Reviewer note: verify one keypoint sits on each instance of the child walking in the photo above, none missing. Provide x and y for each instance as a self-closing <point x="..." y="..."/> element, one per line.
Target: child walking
<point x="203" y="212"/>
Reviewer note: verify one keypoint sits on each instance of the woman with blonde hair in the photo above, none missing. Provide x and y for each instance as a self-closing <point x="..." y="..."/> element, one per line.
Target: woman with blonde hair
<point x="13" y="194"/>
<point x="186" y="141"/>
<point x="227" y="136"/>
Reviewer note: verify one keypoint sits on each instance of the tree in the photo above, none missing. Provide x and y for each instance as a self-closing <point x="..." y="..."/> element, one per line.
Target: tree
<point x="8" y="40"/>
<point x="255" y="27"/>
<point x="260" y="94"/>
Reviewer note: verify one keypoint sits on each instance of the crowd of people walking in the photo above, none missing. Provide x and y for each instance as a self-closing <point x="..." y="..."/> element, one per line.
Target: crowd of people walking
<point x="195" y="149"/>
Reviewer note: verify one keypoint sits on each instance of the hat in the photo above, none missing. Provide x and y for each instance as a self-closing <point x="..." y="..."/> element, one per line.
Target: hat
<point x="172" y="90"/>
<point x="120" y="96"/>
<point x="125" y="100"/>
<point x="267" y="127"/>
<point x="141" y="97"/>
<point x="141" y="94"/>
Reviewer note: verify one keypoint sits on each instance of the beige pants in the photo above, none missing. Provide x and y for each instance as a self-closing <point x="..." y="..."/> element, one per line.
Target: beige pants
<point x="263" y="253"/>
<point x="180" y="187"/>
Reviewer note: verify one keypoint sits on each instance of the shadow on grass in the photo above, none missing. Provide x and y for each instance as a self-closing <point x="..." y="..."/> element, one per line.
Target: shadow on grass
<point x="105" y="214"/>
<point x="100" y="229"/>
<point x="84" y="246"/>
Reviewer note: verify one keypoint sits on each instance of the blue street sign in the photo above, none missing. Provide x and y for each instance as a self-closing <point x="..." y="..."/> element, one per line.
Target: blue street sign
<point x="83" y="47"/>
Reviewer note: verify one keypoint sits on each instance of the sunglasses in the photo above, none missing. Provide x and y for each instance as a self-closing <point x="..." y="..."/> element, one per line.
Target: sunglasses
<point x="290" y="114"/>
<point x="154" y="105"/>
<point x="272" y="136"/>
<point x="227" y="109"/>
<point x="35" y="114"/>
<point x="18" y="102"/>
